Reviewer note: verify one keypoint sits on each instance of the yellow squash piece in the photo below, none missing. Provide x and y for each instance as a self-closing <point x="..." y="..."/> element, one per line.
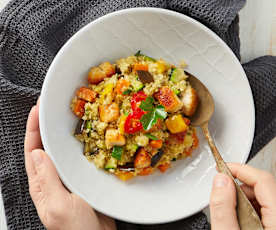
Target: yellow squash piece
<point x="176" y="124"/>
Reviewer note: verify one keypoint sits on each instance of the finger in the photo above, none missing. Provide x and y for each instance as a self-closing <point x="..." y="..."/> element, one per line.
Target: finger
<point x="38" y="102"/>
<point x="264" y="183"/>
<point x="249" y="191"/>
<point x="32" y="140"/>
<point x="49" y="180"/>
<point x="223" y="204"/>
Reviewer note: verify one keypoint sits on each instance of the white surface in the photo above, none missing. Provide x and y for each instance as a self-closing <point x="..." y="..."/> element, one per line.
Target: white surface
<point x="158" y="33"/>
<point x="253" y="44"/>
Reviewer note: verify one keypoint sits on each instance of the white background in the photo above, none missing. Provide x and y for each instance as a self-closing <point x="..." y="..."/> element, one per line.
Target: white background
<point x="258" y="37"/>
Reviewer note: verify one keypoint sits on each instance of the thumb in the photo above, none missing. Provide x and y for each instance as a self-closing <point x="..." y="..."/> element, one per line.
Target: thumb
<point x="223" y="204"/>
<point x="46" y="174"/>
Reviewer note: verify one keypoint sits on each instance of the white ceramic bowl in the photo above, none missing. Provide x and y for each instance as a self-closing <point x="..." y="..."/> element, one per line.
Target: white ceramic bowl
<point x="184" y="189"/>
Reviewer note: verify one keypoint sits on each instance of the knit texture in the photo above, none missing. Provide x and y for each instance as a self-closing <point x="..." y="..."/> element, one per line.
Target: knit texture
<point x="32" y="32"/>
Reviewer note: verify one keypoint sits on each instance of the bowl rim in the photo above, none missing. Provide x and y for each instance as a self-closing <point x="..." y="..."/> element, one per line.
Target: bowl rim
<point x="79" y="33"/>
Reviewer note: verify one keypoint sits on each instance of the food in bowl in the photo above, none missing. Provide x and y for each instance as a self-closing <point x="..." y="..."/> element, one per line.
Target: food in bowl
<point x="134" y="116"/>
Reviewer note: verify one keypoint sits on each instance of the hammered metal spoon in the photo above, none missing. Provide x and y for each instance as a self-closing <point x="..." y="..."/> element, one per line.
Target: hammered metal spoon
<point x="247" y="216"/>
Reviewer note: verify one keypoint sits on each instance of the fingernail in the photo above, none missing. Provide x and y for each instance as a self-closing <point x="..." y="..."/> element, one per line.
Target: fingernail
<point x="220" y="180"/>
<point x="37" y="157"/>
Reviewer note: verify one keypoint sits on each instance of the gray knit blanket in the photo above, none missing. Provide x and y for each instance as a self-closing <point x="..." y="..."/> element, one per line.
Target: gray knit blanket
<point x="31" y="34"/>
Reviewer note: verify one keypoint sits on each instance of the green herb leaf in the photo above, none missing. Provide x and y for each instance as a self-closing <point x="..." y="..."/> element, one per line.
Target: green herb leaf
<point x="148" y="120"/>
<point x="152" y="137"/>
<point x="126" y="92"/>
<point x="117" y="152"/>
<point x="160" y="112"/>
<point x="147" y="105"/>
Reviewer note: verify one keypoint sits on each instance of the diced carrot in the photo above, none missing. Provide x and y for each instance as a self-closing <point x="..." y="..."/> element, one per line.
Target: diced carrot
<point x="86" y="94"/>
<point x="139" y="66"/>
<point x="164" y="167"/>
<point x="156" y="144"/>
<point x="142" y="159"/>
<point x="124" y="176"/>
<point x="96" y="75"/>
<point x="121" y="86"/>
<point x="109" y="113"/>
<point x="107" y="68"/>
<point x="146" y="171"/>
<point x="168" y="99"/>
<point x="78" y="107"/>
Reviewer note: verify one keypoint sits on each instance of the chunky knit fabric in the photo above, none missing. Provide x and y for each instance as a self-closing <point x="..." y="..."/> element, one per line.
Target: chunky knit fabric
<point x="32" y="32"/>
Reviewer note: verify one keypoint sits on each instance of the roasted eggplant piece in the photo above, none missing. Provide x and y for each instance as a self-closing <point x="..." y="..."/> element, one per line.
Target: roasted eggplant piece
<point x="80" y="127"/>
<point x="145" y="76"/>
<point x="156" y="158"/>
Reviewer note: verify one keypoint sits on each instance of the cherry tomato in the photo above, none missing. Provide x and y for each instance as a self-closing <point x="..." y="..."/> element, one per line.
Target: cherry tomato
<point x="136" y="100"/>
<point x="132" y="123"/>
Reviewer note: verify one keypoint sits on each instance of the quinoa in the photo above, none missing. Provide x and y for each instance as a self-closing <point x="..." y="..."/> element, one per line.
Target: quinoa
<point x="109" y="103"/>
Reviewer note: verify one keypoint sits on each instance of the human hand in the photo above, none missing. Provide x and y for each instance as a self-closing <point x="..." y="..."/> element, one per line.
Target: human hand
<point x="57" y="208"/>
<point x="260" y="188"/>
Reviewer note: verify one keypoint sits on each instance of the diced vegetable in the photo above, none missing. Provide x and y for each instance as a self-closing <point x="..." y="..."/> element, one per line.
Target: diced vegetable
<point x="111" y="163"/>
<point x="156" y="158"/>
<point x="86" y="94"/>
<point x="168" y="99"/>
<point x="150" y="136"/>
<point x="133" y="124"/>
<point x="136" y="85"/>
<point x="176" y="91"/>
<point x="142" y="159"/>
<point x="96" y="75"/>
<point x="190" y="101"/>
<point x="145" y="76"/>
<point x="122" y="123"/>
<point x="128" y="167"/>
<point x="108" y="90"/>
<point x="139" y="66"/>
<point x="142" y="140"/>
<point x="124" y="176"/>
<point x="109" y="113"/>
<point x="176" y="124"/>
<point x="117" y="69"/>
<point x="121" y="86"/>
<point x="177" y="75"/>
<point x="113" y="137"/>
<point x="164" y="167"/>
<point x="146" y="171"/>
<point x="136" y="100"/>
<point x="107" y="68"/>
<point x="146" y="58"/>
<point x="127" y="92"/>
<point x="88" y="125"/>
<point x="80" y="127"/>
<point x="78" y="108"/>
<point x="161" y="67"/>
<point x="117" y="152"/>
<point x="156" y="144"/>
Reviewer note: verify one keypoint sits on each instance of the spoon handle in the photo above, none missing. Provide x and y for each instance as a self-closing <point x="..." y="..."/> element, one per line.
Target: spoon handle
<point x="247" y="216"/>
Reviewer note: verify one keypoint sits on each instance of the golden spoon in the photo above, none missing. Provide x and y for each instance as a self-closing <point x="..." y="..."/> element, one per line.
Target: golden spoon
<point x="247" y="216"/>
